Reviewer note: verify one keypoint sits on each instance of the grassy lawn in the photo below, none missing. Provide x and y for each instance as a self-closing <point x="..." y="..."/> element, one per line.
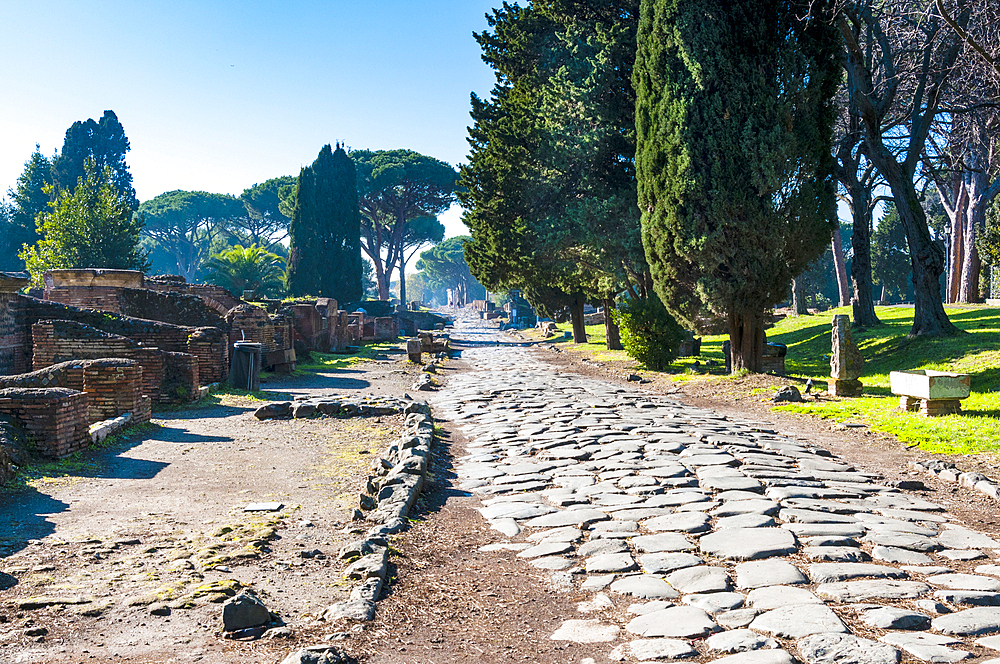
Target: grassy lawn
<point x="885" y="348"/>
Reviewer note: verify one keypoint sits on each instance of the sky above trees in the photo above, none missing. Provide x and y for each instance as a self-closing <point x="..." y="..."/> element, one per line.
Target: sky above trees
<point x="218" y="95"/>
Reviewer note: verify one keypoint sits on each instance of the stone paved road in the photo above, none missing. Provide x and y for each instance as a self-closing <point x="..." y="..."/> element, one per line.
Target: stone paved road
<point x="726" y="540"/>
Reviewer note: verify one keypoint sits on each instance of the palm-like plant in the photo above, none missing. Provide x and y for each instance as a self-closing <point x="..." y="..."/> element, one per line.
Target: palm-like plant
<point x="251" y="268"/>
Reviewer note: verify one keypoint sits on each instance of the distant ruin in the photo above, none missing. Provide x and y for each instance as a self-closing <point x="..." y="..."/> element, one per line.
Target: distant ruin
<point x="101" y="343"/>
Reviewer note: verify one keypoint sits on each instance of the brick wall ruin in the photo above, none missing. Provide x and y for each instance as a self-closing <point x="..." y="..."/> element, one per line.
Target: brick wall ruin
<point x="55" y="417"/>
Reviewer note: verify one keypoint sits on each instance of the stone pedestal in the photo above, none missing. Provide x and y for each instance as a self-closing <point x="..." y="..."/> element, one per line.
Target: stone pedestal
<point x="845" y="387"/>
<point x="930" y="407"/>
<point x="414" y="350"/>
<point x="846" y="361"/>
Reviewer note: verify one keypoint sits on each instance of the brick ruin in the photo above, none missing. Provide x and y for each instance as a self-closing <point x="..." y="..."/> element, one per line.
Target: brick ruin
<point x="102" y="343"/>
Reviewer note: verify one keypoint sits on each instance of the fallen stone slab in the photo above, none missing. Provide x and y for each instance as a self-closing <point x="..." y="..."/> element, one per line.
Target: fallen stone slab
<point x="585" y="631"/>
<point x="845" y="649"/>
<point x="677" y="621"/>
<point x="859" y="591"/>
<point x="362" y="610"/>
<point x="797" y="621"/>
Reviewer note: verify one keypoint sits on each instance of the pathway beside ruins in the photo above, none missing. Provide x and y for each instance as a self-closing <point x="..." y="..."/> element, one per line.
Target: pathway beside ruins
<point x="682" y="533"/>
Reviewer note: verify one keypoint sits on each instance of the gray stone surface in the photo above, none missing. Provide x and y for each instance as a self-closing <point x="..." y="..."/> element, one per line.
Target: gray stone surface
<point x="748" y="543"/>
<point x="610" y="562"/>
<point x="757" y="657"/>
<point x="738" y="640"/>
<point x="700" y="579"/>
<point x="857" y="591"/>
<point x="715" y="602"/>
<point x="545" y="549"/>
<point x="891" y="617"/>
<point x="773" y="572"/>
<point x="585" y="631"/>
<point x="970" y="622"/>
<point x="662" y="563"/>
<point x="772" y="597"/>
<point x="644" y="586"/>
<point x="831" y="572"/>
<point x="797" y="621"/>
<point x="688" y="522"/>
<point x="845" y="649"/>
<point x="963" y="538"/>
<point x="677" y="621"/>
<point x="662" y="542"/>
<point x="927" y="647"/>
<point x="244" y="611"/>
<point x="965" y="582"/>
<point x="652" y="649"/>
<point x="736" y="618"/>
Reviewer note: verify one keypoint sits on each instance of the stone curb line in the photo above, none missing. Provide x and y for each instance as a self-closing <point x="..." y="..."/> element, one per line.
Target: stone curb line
<point x="949" y="472"/>
<point x="391" y="491"/>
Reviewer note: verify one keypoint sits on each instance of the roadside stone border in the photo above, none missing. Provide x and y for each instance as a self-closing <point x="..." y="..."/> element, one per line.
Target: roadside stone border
<point x="393" y="485"/>
<point x="949" y="472"/>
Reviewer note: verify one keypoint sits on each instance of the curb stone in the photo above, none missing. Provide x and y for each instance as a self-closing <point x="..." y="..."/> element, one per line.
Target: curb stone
<point x="949" y="472"/>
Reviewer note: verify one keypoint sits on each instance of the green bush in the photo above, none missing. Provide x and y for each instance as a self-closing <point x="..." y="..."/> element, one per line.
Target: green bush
<point x="649" y="333"/>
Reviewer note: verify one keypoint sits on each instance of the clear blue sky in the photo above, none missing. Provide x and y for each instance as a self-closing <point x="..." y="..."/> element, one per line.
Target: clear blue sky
<point x="218" y="95"/>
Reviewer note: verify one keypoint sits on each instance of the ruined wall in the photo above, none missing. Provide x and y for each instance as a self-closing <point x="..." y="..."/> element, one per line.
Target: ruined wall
<point x="211" y="346"/>
<point x="55" y="417"/>
<point x="180" y="378"/>
<point x="215" y="297"/>
<point x="174" y="308"/>
<point x="12" y="335"/>
<point x="250" y="323"/>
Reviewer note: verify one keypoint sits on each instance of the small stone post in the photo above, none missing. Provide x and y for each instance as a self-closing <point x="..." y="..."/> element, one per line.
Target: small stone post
<point x="414" y="350"/>
<point x="846" y="361"/>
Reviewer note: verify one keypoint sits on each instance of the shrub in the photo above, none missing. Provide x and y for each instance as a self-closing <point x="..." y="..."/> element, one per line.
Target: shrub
<point x="648" y="332"/>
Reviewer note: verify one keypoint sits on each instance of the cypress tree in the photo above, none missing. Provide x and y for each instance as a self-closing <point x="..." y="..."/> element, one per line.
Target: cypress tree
<point x="325" y="232"/>
<point x="734" y="118"/>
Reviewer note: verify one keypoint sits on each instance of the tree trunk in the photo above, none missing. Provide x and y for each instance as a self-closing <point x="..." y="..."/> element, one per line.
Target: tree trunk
<point x="862" y="300"/>
<point x="381" y="281"/>
<point x="611" y="332"/>
<point x="975" y="221"/>
<point x="798" y="300"/>
<point x="956" y="252"/>
<point x="579" y="328"/>
<point x="840" y="267"/>
<point x="746" y="340"/>
<point x="402" y="282"/>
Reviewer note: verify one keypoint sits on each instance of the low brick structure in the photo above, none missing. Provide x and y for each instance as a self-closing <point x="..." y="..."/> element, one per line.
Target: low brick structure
<point x="55" y="417"/>
<point x="90" y="288"/>
<point x="211" y="346"/>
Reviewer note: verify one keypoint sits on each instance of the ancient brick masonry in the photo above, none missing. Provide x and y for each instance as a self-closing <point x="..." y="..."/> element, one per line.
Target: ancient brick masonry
<point x="55" y="417"/>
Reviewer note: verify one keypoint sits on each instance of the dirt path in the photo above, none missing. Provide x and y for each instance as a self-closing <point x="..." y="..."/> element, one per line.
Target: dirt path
<point x="156" y="525"/>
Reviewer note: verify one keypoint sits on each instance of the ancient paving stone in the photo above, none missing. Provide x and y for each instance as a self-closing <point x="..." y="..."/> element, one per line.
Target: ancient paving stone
<point x="774" y="572"/>
<point x="750" y="520"/>
<point x="842" y="554"/>
<point x="858" y="591"/>
<point x="661" y="563"/>
<point x="965" y="582"/>
<point x="610" y="562"/>
<point x="545" y="549"/>
<point x="991" y="642"/>
<point x="595" y="582"/>
<point x="970" y="622"/>
<point x="963" y="538"/>
<point x="677" y="621"/>
<point x="736" y="618"/>
<point x="794" y="515"/>
<point x="831" y="572"/>
<point x="825" y="529"/>
<point x="506" y="527"/>
<point x="748" y="543"/>
<point x="756" y="657"/>
<point x="892" y="554"/>
<point x="928" y="647"/>
<point x="753" y="506"/>
<point x="731" y="483"/>
<point x="598" y="602"/>
<point x="715" y="602"/>
<point x="565" y="534"/>
<point x="910" y="541"/>
<point x="580" y="518"/>
<point x="652" y="649"/>
<point x="968" y="597"/>
<point x="797" y="621"/>
<point x="585" y="631"/>
<point x="601" y="546"/>
<point x="845" y="649"/>
<point x="890" y="617"/>
<point x="644" y="586"/>
<point x="772" y="597"/>
<point x="688" y="522"/>
<point x="642" y="608"/>
<point x="738" y="640"/>
<point x="662" y="542"/>
<point x="551" y="563"/>
<point x="962" y="554"/>
<point x="700" y="579"/>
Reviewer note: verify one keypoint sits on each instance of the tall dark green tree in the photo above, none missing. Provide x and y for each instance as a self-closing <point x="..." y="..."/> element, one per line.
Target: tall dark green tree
<point x="325" y="232"/>
<point x="734" y="159"/>
<point x="105" y="142"/>
<point x="27" y="200"/>
<point x="550" y="188"/>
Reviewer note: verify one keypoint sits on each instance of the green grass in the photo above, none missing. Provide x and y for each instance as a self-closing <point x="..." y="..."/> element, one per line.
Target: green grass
<point x="886" y="348"/>
<point x="327" y="361"/>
